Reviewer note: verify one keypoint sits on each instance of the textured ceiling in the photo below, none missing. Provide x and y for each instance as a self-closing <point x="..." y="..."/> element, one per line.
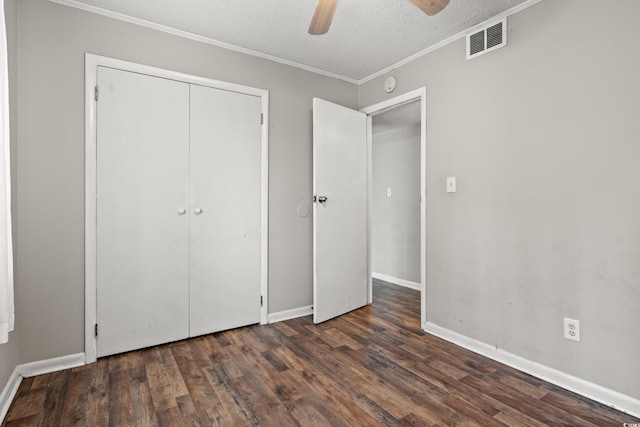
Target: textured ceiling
<point x="366" y="36"/>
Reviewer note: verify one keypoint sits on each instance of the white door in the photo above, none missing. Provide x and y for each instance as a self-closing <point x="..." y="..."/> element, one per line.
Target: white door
<point x="225" y="210"/>
<point x="340" y="245"/>
<point x="142" y="225"/>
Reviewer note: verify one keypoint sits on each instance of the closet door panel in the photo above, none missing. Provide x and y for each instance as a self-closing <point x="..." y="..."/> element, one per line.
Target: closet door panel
<point x="142" y="183"/>
<point x="225" y="210"/>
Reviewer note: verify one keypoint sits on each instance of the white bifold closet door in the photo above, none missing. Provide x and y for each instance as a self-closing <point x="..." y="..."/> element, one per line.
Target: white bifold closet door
<point x="142" y="239"/>
<point x="225" y="197"/>
<point x="178" y="210"/>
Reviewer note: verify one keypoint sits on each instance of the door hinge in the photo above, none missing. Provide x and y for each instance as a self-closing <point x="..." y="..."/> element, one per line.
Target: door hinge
<point x="261" y="118"/>
<point x="261" y="300"/>
<point x="97" y="92"/>
<point x="96" y="330"/>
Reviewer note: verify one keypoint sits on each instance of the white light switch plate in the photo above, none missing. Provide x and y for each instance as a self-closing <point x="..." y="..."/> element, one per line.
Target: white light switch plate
<point x="388" y="192"/>
<point x="451" y="184"/>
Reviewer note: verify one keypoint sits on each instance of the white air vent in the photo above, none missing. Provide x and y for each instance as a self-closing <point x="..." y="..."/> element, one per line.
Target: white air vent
<point x="491" y="37"/>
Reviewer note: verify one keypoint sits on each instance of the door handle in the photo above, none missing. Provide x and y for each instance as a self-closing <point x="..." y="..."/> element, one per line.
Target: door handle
<point x="197" y="211"/>
<point x="322" y="199"/>
<point x="182" y="211"/>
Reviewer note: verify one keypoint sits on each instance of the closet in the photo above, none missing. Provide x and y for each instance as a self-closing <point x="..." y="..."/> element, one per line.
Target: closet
<point x="178" y="210"/>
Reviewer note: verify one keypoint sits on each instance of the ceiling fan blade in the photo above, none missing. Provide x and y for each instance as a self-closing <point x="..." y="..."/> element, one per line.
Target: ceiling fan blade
<point x="431" y="7"/>
<point x="322" y="17"/>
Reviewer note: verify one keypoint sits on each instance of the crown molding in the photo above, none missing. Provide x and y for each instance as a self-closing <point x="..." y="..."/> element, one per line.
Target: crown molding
<point x="195" y="37"/>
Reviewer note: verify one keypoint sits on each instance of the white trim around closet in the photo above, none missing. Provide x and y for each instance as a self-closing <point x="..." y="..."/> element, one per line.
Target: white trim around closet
<point x="92" y="62"/>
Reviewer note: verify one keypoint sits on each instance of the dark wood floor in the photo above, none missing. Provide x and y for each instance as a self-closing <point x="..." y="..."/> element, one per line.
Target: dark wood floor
<point x="370" y="367"/>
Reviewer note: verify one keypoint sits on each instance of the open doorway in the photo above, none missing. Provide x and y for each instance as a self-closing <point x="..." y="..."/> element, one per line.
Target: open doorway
<point x="395" y="196"/>
<point x="397" y="138"/>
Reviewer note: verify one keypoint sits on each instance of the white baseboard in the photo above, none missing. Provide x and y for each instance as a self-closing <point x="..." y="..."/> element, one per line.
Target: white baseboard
<point x="611" y="398"/>
<point x="51" y="365"/>
<point x="397" y="281"/>
<point x="31" y="369"/>
<point x="290" y="314"/>
<point x="9" y="392"/>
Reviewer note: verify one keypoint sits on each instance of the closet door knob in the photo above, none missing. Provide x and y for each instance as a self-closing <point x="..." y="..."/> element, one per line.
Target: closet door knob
<point x="197" y="211"/>
<point x="182" y="211"/>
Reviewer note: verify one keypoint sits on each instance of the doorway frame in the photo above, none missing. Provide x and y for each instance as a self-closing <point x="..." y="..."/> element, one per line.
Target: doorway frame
<point x="92" y="62"/>
<point x="372" y="110"/>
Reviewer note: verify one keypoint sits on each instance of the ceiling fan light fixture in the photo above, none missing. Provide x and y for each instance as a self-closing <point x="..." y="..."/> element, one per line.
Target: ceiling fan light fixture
<point x="322" y="17"/>
<point x="431" y="7"/>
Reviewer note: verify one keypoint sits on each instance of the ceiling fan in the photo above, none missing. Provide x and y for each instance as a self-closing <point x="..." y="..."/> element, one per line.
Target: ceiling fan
<point x="324" y="13"/>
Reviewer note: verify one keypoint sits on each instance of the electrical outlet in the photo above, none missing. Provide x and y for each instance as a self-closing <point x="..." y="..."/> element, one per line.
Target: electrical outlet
<point x="572" y="329"/>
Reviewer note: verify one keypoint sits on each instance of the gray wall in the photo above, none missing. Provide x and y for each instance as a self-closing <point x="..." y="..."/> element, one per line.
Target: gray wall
<point x="9" y="350"/>
<point x="395" y="220"/>
<point x="52" y="40"/>
<point x="543" y="136"/>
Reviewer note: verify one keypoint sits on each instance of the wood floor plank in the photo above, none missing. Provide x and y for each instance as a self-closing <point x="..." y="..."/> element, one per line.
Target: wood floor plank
<point x="446" y="368"/>
<point x="178" y="385"/>
<point x="136" y="361"/>
<point x="27" y="383"/>
<point x="470" y="411"/>
<point x="336" y="338"/>
<point x="279" y="385"/>
<point x="235" y="406"/>
<point x="263" y="402"/>
<point x="165" y="381"/>
<point x="522" y="386"/>
<point x="203" y="351"/>
<point x="306" y="414"/>
<point x="285" y="329"/>
<point x="40" y="381"/>
<point x="27" y="403"/>
<point x="192" y="416"/>
<point x="119" y="362"/>
<point x="583" y="408"/>
<point x="222" y="338"/>
<point x="29" y="421"/>
<point x="215" y="345"/>
<point x="98" y="398"/>
<point x="74" y="412"/>
<point x="421" y="398"/>
<point x="344" y="372"/>
<point x="199" y="388"/>
<point x="311" y="398"/>
<point x="54" y="402"/>
<point x="274" y="360"/>
<point x="449" y="384"/>
<point x="121" y="411"/>
<point x="454" y="387"/>
<point x="143" y="409"/>
<point x="333" y="384"/>
<point x="513" y="399"/>
<point x="352" y="409"/>
<point x="170" y="417"/>
<point x="513" y="418"/>
<point x="264" y="392"/>
<point x="373" y="366"/>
